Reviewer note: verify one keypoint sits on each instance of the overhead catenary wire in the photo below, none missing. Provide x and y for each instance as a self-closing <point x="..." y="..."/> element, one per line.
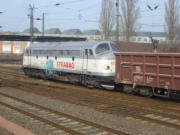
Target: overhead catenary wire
<point x="86" y="11"/>
<point x="80" y="16"/>
<point x="74" y="10"/>
<point x="96" y="21"/>
<point x="61" y="3"/>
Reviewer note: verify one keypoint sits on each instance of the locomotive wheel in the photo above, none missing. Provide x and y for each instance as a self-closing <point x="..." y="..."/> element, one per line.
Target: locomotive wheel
<point x="90" y="82"/>
<point x="150" y="93"/>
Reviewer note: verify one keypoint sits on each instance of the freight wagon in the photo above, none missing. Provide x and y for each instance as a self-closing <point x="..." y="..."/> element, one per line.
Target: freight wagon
<point x="148" y="74"/>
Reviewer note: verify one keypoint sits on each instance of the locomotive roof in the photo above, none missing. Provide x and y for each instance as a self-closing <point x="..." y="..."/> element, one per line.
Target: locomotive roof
<point x="66" y="45"/>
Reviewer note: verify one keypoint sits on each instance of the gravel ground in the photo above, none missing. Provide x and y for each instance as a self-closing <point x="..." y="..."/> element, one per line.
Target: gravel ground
<point x="125" y="124"/>
<point x="5" y="132"/>
<point x="17" y="66"/>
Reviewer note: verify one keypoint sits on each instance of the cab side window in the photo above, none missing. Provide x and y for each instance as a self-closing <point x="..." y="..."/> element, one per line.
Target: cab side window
<point x="90" y="52"/>
<point x="115" y="48"/>
<point x="102" y="48"/>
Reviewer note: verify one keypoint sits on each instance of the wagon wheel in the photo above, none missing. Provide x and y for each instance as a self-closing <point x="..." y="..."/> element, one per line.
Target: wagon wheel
<point x="127" y="89"/>
<point x="145" y="91"/>
<point x="150" y="93"/>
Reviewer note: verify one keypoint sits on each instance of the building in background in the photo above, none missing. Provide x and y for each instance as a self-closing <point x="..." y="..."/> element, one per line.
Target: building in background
<point x="145" y="37"/>
<point x="35" y="30"/>
<point x="12" y="47"/>
<point x="72" y="32"/>
<point x="92" y="34"/>
<point x="18" y="46"/>
<point x="53" y="31"/>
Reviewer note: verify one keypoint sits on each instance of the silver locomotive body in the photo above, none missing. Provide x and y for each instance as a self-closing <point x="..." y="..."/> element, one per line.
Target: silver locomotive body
<point x="90" y="63"/>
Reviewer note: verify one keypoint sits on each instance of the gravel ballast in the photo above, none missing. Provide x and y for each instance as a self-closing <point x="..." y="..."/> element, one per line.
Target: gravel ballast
<point x="121" y="123"/>
<point x="5" y="132"/>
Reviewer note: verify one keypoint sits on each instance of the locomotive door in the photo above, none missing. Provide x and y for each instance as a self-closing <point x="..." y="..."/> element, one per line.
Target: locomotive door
<point x="29" y="57"/>
<point x="84" y="66"/>
<point x="85" y="61"/>
<point x="89" y="64"/>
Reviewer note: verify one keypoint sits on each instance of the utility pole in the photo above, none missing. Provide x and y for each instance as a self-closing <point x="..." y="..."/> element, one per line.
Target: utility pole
<point x="1" y="13"/>
<point x="31" y="22"/>
<point x="155" y="43"/>
<point x="43" y="24"/>
<point x="117" y="19"/>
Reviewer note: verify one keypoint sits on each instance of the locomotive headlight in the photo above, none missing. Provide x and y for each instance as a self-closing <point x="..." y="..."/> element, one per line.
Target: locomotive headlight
<point x="106" y="67"/>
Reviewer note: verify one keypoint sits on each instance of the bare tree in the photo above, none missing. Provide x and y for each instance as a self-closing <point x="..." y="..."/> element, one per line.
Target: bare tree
<point x="178" y="34"/>
<point x="171" y="19"/>
<point x="130" y="16"/>
<point x="107" y="18"/>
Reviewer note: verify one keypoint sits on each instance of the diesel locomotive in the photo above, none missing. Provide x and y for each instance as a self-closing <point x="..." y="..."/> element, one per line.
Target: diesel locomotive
<point x="90" y="63"/>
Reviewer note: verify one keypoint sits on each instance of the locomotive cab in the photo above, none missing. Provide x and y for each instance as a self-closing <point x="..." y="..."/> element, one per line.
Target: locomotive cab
<point x="105" y="63"/>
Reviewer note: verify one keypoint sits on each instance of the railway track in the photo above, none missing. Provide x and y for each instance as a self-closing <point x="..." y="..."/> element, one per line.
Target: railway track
<point x="54" y="122"/>
<point x="11" y="67"/>
<point x="158" y="113"/>
<point x="158" y="104"/>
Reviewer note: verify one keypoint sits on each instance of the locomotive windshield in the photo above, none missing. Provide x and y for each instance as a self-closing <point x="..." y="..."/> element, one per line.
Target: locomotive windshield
<point x="115" y="48"/>
<point x="102" y="48"/>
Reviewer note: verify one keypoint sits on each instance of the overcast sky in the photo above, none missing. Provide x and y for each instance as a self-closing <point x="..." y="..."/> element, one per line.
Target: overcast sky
<point x="71" y="14"/>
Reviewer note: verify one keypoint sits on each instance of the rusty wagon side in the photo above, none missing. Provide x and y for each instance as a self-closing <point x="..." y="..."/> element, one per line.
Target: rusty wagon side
<point x="149" y="73"/>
